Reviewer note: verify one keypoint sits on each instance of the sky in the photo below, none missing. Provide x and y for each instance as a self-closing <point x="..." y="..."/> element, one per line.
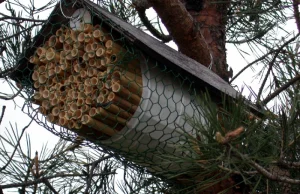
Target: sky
<point x="39" y="136"/>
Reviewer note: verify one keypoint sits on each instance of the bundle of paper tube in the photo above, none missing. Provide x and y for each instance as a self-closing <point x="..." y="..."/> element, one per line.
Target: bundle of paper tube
<point x="82" y="84"/>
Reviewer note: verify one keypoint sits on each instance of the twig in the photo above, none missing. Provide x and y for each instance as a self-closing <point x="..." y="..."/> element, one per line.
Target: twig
<point x="18" y="33"/>
<point x="250" y="64"/>
<point x="238" y="172"/>
<point x="263" y="171"/>
<point x="259" y="59"/>
<point x="16" y="146"/>
<point x="281" y="89"/>
<point x="289" y="164"/>
<point x="1" y="1"/>
<point x="46" y="182"/>
<point x="271" y="66"/>
<point x="97" y="161"/>
<point x="7" y="72"/>
<point x="5" y="17"/>
<point x="11" y="97"/>
<point x="296" y="14"/>
<point x="91" y="174"/>
<point x="41" y="180"/>
<point x="2" y="113"/>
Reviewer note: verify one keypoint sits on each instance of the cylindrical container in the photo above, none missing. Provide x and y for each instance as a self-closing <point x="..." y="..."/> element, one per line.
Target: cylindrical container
<point x="158" y="126"/>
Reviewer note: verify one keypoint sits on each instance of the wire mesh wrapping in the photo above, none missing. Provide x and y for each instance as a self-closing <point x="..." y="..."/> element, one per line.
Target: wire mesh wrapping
<point x="89" y="82"/>
<point x="86" y="79"/>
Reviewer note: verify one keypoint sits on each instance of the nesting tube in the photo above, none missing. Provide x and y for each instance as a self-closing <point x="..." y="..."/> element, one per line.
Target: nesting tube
<point x="40" y="51"/>
<point x="87" y="28"/>
<point x="55" y="111"/>
<point x="46" y="104"/>
<point x="76" y="53"/>
<point x="36" y="84"/>
<point x="99" y="126"/>
<point x="126" y="94"/>
<point x="42" y="79"/>
<point x="63" y="122"/>
<point x="35" y="60"/>
<point x="112" y="97"/>
<point x="71" y="124"/>
<point x="52" y="55"/>
<point x="35" y="76"/>
<point x="99" y="35"/>
<point x="100" y="52"/>
<point x="129" y="84"/>
<point x="94" y="114"/>
<point x="70" y="82"/>
<point x="105" y="114"/>
<point x="54" y="42"/>
<point x="113" y="48"/>
<point x="77" y="114"/>
<point x="51" y="118"/>
<point x="117" y="111"/>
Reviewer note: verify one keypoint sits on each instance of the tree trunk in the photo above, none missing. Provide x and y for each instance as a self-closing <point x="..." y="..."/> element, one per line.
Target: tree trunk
<point x="199" y="35"/>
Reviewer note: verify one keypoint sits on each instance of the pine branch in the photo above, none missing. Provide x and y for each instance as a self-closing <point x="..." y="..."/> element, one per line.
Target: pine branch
<point x="11" y="97"/>
<point x="20" y="19"/>
<point x="281" y="89"/>
<point x="296" y="14"/>
<point x="289" y="164"/>
<point x="271" y="66"/>
<point x="46" y="182"/>
<point x="238" y="172"/>
<point x="42" y="179"/>
<point x="2" y="113"/>
<point x="18" y="33"/>
<point x="252" y="63"/>
<point x="263" y="171"/>
<point x="16" y="146"/>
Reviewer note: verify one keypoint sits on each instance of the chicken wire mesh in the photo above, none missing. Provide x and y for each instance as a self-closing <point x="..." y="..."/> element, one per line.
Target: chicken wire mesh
<point x="86" y="81"/>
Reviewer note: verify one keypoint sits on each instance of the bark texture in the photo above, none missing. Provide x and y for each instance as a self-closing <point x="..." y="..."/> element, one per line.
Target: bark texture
<point x="212" y="24"/>
<point x="183" y="29"/>
<point x="198" y="34"/>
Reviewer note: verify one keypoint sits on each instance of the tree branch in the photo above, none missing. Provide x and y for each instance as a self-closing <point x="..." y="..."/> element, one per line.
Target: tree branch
<point x="11" y="97"/>
<point x="149" y="26"/>
<point x="41" y="180"/>
<point x="91" y="174"/>
<point x="141" y="4"/>
<point x="289" y="164"/>
<point x="46" y="182"/>
<point x="250" y="64"/>
<point x="5" y="17"/>
<point x="263" y="171"/>
<point x="18" y="33"/>
<point x="2" y="113"/>
<point x="271" y="66"/>
<point x="296" y="13"/>
<point x="281" y="89"/>
<point x="16" y="146"/>
<point x="183" y="29"/>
